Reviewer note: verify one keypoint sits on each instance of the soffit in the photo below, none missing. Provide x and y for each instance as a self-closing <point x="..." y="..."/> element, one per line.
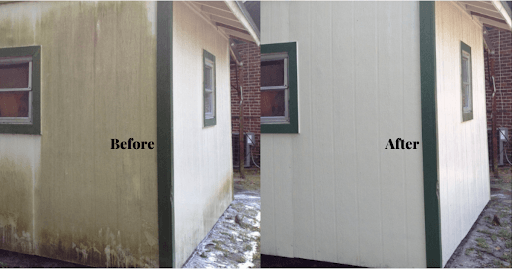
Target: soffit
<point x="490" y="13"/>
<point x="230" y="18"/>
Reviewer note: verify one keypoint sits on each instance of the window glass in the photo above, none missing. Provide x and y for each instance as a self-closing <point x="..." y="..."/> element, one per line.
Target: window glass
<point x="14" y="104"/>
<point x="208" y="77"/>
<point x="14" y="76"/>
<point x="272" y="103"/>
<point x="272" y="73"/>
<point x="465" y="68"/>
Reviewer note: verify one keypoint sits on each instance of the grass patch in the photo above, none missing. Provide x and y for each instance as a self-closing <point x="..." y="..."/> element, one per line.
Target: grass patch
<point x="504" y="233"/>
<point x="251" y="182"/>
<point x="481" y="242"/>
<point x="494" y="238"/>
<point x="248" y="247"/>
<point x="240" y="259"/>
<point x="3" y="265"/>
<point x="469" y="251"/>
<point x="507" y="256"/>
<point x="203" y="255"/>
<point x="485" y="232"/>
<point x="508" y="243"/>
<point x="256" y="256"/>
<point x="479" y="254"/>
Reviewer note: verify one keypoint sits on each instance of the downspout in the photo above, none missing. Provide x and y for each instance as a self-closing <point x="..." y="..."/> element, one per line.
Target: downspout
<point x="239" y="89"/>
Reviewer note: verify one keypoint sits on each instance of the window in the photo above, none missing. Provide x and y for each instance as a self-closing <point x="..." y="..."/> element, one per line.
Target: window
<point x="467" y="92"/>
<point x="19" y="90"/>
<point x="209" y="88"/>
<point x="279" y="107"/>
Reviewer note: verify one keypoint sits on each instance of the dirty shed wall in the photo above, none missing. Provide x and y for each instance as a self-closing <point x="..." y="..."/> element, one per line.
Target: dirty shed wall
<point x="65" y="194"/>
<point x="203" y="175"/>
<point x="333" y="192"/>
<point x="463" y="162"/>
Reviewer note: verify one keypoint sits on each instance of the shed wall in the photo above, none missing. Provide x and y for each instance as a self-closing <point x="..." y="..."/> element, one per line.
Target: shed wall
<point x="333" y="192"/>
<point x="66" y="194"/>
<point x="203" y="173"/>
<point x="463" y="158"/>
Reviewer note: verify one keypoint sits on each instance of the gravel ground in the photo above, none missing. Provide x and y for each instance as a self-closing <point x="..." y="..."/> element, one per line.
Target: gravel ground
<point x="489" y="242"/>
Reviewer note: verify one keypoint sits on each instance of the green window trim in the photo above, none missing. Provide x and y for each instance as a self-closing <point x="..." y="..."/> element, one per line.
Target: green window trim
<point x="467" y="113"/>
<point x="35" y="126"/>
<point x="208" y="59"/>
<point x="293" y="126"/>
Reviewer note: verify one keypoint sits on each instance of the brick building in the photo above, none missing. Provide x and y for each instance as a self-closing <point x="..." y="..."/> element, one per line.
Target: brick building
<point x="249" y="79"/>
<point x="502" y="42"/>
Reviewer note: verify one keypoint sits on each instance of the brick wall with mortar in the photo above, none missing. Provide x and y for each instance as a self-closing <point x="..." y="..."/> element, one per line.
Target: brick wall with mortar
<point x="502" y="42"/>
<point x="249" y="79"/>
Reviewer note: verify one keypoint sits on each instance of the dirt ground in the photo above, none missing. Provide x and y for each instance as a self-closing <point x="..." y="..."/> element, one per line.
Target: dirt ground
<point x="234" y="241"/>
<point x="489" y="242"/>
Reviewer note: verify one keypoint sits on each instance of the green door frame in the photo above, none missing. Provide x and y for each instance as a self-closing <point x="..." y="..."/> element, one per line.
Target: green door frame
<point x="164" y="136"/>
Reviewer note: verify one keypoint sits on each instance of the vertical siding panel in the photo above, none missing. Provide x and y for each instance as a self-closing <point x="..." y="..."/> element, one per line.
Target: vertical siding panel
<point x="321" y="99"/>
<point x="82" y="91"/>
<point x="128" y="60"/>
<point x="344" y="132"/>
<point x="415" y="215"/>
<point x="283" y="196"/>
<point x="391" y="127"/>
<point x="366" y="97"/>
<point x="106" y="114"/>
<point x="268" y="234"/>
<point x="268" y="225"/>
<point x="147" y="91"/>
<point x="303" y="182"/>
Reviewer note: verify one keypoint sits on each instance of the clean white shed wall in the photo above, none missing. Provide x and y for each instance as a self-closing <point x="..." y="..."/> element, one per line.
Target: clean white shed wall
<point x="332" y="192"/>
<point x="203" y="175"/>
<point x="463" y="161"/>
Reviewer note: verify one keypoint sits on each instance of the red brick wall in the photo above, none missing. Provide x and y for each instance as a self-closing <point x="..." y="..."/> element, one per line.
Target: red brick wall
<point x="249" y="79"/>
<point x="502" y="42"/>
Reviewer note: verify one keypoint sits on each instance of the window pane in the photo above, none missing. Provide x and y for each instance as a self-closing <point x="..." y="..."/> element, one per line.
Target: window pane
<point x="14" y="76"/>
<point x="465" y="69"/>
<point x="466" y="96"/>
<point x="272" y="103"/>
<point x="208" y="103"/>
<point x="208" y="77"/>
<point x="14" y="104"/>
<point x="272" y="73"/>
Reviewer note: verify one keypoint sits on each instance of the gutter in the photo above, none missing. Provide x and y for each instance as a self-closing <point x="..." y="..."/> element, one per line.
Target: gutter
<point x="243" y="16"/>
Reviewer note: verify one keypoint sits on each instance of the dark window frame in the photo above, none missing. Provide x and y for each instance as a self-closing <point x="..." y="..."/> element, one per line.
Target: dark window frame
<point x="466" y="114"/>
<point x="34" y="127"/>
<point x="293" y="112"/>
<point x="207" y="56"/>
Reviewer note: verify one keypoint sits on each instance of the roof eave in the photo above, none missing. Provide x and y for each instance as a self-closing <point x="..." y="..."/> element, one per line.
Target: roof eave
<point x="243" y="16"/>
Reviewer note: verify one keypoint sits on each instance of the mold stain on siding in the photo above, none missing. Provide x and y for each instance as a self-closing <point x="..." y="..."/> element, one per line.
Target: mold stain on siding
<point x="16" y="205"/>
<point x="86" y="204"/>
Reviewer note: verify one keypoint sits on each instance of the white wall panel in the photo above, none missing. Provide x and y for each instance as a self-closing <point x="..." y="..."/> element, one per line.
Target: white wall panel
<point x="203" y="175"/>
<point x="463" y="165"/>
<point x="353" y="202"/>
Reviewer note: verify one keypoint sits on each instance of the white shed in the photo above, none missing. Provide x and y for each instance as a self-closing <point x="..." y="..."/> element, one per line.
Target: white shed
<point x="347" y="85"/>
